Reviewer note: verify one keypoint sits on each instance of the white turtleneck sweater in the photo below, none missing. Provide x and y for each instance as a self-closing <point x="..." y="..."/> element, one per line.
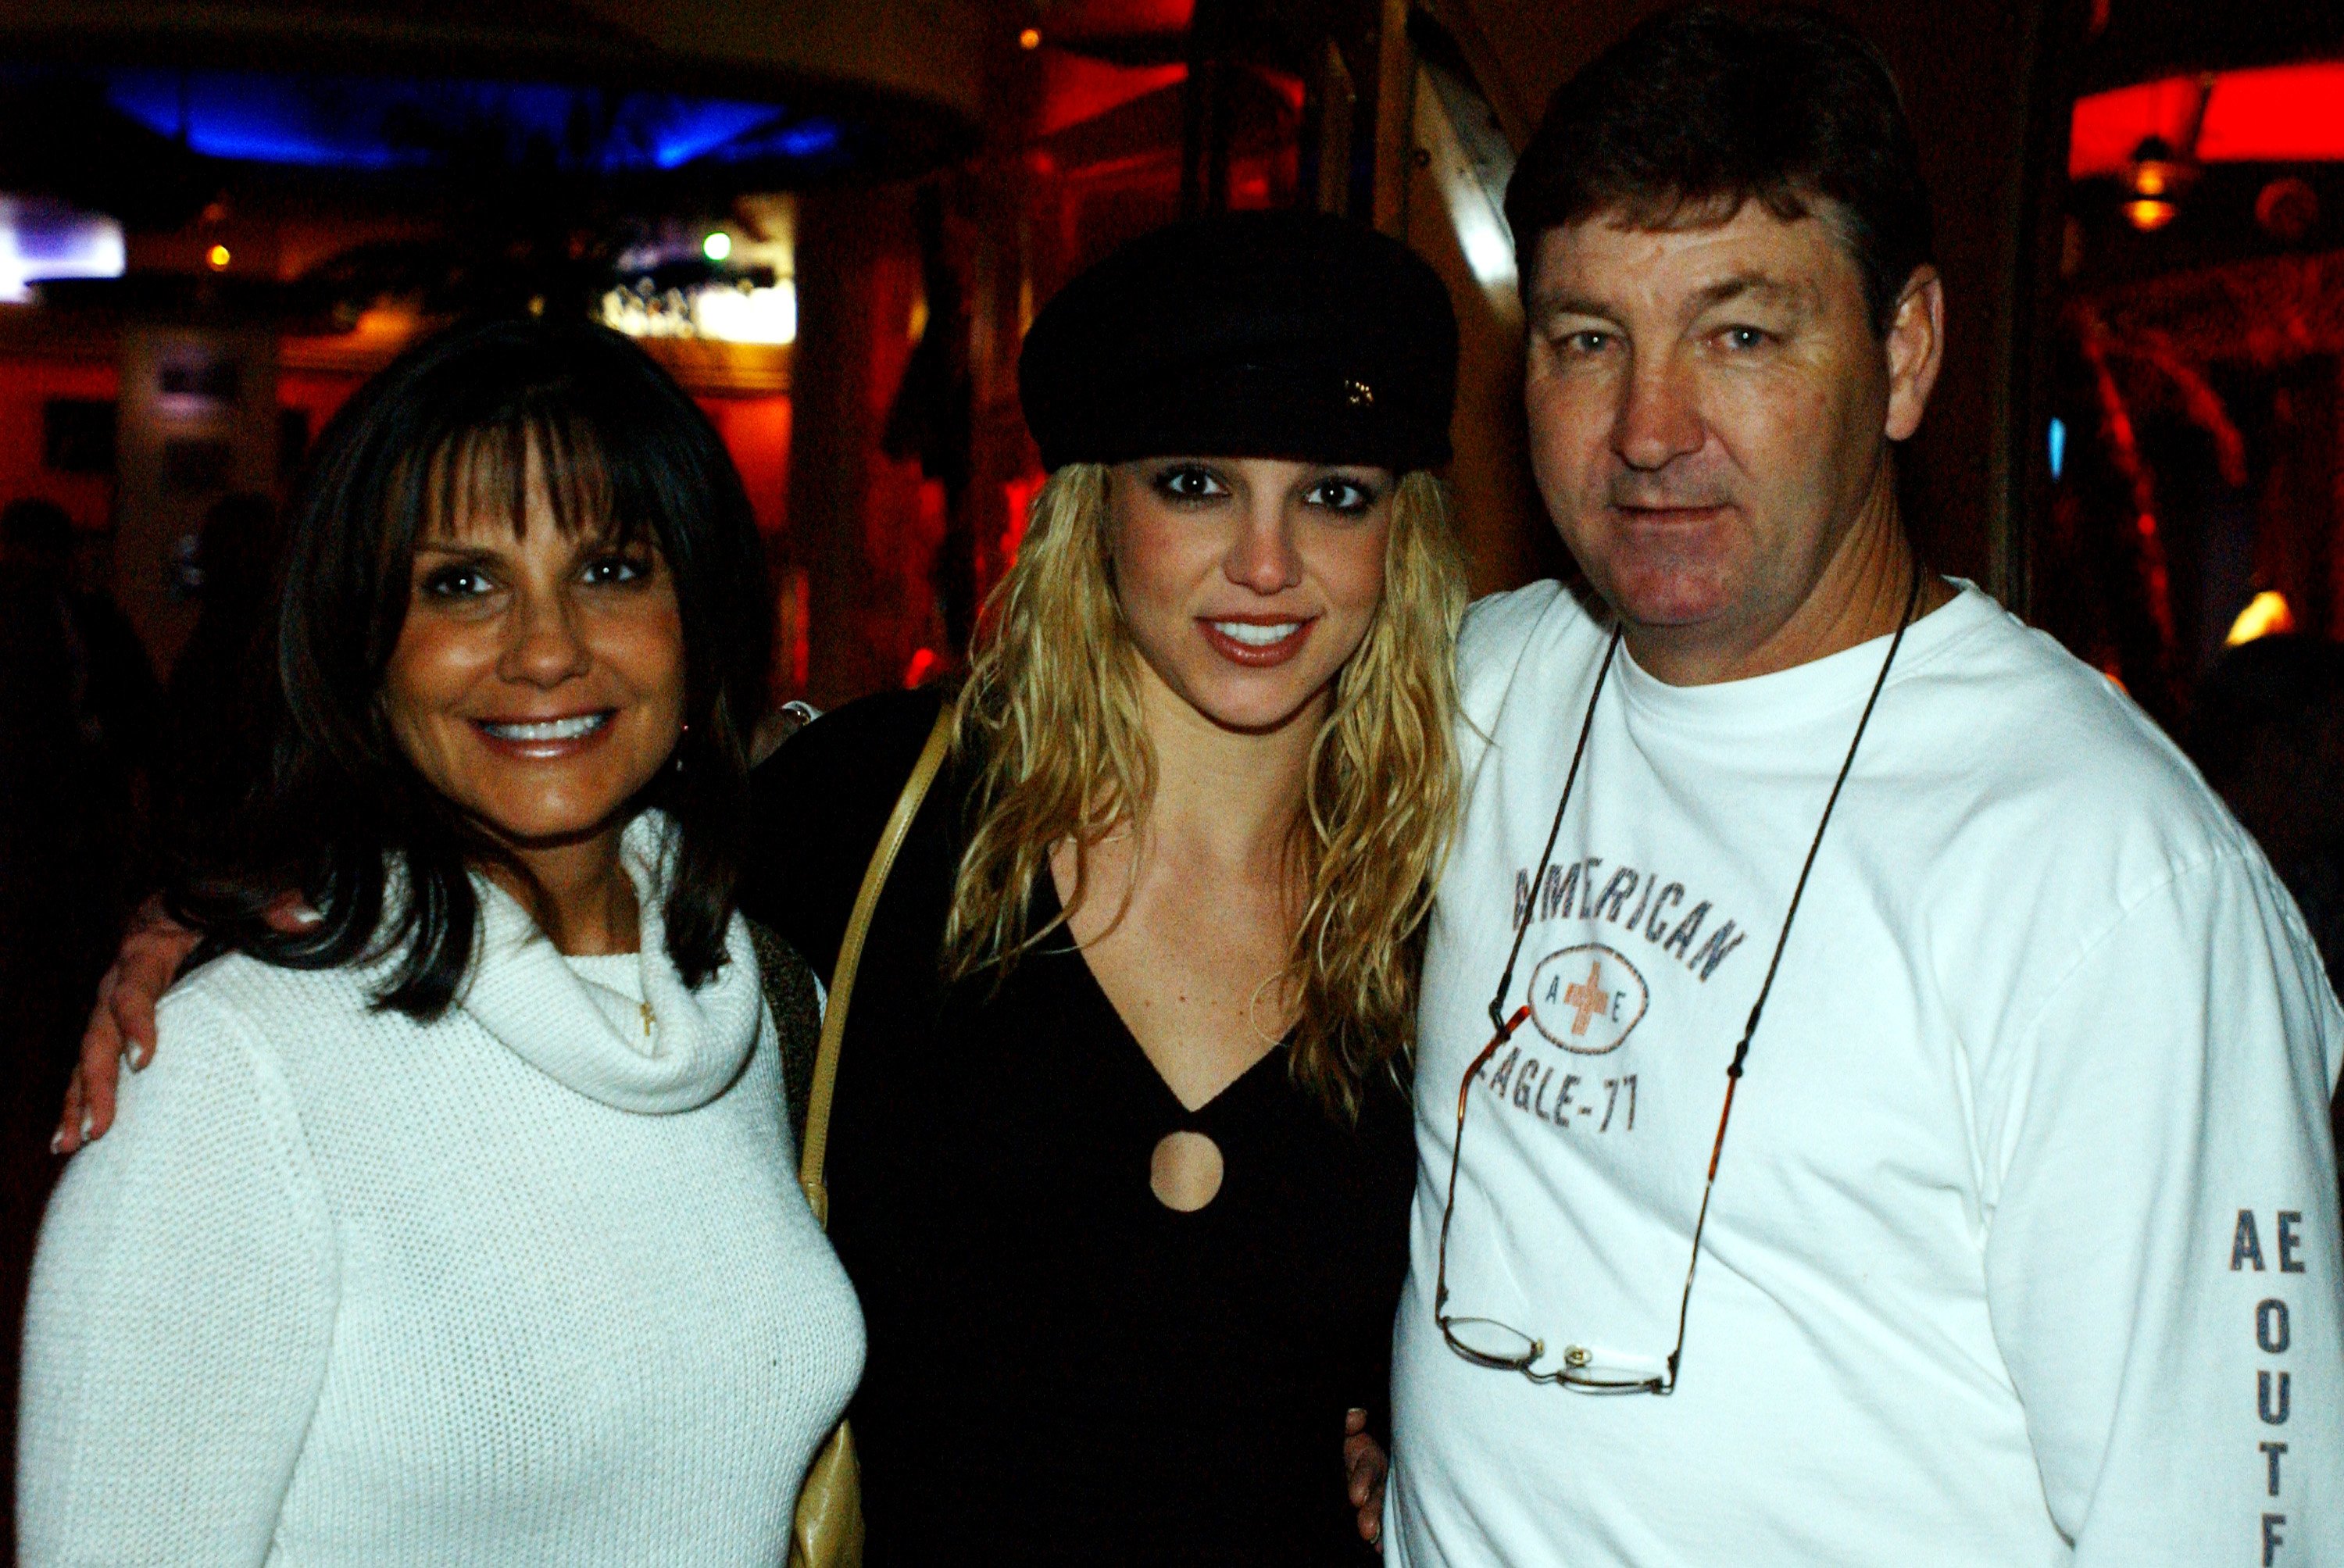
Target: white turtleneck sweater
<point x="523" y="1286"/>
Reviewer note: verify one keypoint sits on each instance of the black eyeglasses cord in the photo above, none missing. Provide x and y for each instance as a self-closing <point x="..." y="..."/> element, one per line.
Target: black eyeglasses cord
<point x="1774" y="965"/>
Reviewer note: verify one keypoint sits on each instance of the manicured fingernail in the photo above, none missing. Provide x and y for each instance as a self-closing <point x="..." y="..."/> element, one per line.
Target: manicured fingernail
<point x="57" y="1142"/>
<point x="140" y="1055"/>
<point x="88" y="1121"/>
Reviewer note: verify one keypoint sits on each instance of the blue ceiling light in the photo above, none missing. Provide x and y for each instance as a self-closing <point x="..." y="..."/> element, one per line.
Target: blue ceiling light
<point x="377" y="124"/>
<point x="248" y="118"/>
<point x="809" y="140"/>
<point x="690" y="130"/>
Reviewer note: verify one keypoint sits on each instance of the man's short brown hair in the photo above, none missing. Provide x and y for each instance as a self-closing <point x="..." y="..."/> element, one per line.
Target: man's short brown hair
<point x="1700" y="110"/>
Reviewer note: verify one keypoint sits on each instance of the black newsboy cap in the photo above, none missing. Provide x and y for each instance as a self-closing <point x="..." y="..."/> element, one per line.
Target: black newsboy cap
<point x="1252" y="334"/>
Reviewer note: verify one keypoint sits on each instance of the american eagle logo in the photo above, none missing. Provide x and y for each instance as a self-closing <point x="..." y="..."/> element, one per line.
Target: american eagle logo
<point x="1588" y="999"/>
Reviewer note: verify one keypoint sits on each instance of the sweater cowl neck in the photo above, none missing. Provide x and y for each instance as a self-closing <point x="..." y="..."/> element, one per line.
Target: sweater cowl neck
<point x="523" y="992"/>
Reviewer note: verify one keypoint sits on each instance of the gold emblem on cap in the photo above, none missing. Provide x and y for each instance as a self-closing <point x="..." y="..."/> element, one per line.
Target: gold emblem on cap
<point x="1358" y="394"/>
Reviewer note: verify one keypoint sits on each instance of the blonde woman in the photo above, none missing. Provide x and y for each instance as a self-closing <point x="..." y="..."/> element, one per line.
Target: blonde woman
<point x="1120" y="1165"/>
<point x="1119" y="1161"/>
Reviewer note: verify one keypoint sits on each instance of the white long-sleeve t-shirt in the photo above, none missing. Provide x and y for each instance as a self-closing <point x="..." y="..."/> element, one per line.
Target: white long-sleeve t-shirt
<point x="533" y="1284"/>
<point x="2024" y="1243"/>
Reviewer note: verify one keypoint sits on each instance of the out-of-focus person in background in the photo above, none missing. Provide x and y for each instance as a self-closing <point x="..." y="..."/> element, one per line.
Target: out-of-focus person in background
<point x="210" y="749"/>
<point x="2268" y="732"/>
<point x="458" y="1224"/>
<point x="76" y="696"/>
<point x="77" y="708"/>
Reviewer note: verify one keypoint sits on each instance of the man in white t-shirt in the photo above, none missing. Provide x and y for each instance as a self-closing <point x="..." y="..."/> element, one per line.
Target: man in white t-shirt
<point x="2019" y="1243"/>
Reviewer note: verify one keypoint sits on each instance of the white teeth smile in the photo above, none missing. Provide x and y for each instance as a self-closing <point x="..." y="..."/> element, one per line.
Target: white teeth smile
<point x="1254" y="636"/>
<point x="570" y="729"/>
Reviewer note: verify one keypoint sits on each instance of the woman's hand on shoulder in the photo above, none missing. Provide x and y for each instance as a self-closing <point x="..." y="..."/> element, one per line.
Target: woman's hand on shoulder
<point x="122" y="1024"/>
<point x="1365" y="1467"/>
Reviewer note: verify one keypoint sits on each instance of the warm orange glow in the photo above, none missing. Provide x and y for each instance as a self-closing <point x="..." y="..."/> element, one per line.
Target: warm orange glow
<point x="2149" y="214"/>
<point x="2267" y="615"/>
<point x="2279" y="113"/>
<point x="217" y="255"/>
<point x="396" y="320"/>
<point x="1030" y="39"/>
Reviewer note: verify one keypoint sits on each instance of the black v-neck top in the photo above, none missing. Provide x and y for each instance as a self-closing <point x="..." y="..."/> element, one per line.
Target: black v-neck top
<point x="1060" y="1368"/>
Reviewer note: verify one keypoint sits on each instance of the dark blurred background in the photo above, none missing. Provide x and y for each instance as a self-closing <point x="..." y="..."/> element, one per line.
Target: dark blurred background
<point x="832" y="221"/>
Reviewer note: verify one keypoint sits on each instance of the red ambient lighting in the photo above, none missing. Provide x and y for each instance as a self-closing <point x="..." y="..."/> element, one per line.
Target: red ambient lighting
<point x="1075" y="89"/>
<point x="2277" y="114"/>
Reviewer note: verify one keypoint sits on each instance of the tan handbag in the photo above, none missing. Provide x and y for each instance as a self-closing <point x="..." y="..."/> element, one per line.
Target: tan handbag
<point x="828" y="1532"/>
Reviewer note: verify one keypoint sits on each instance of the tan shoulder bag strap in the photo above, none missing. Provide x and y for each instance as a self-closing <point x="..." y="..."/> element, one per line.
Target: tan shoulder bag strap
<point x="850" y="956"/>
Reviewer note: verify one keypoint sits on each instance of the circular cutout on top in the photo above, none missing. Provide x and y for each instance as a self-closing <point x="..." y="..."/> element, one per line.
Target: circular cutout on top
<point x="1185" y="1172"/>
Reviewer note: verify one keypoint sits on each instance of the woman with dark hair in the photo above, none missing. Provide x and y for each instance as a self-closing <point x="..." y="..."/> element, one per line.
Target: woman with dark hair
<point x="209" y="748"/>
<point x="457" y="1224"/>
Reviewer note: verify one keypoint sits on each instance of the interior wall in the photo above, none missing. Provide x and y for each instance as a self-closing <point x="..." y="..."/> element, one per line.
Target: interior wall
<point x="26" y="386"/>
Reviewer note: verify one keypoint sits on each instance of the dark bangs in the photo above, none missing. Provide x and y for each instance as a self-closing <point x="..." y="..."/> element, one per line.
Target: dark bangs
<point x="482" y="469"/>
<point x="453" y="428"/>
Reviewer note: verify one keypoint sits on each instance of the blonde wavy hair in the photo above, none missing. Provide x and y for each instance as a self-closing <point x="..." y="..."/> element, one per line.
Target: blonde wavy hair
<point x="1050" y="720"/>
